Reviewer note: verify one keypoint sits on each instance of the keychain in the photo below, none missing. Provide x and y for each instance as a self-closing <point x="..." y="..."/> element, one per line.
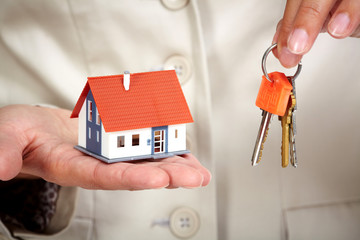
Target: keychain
<point x="277" y="96"/>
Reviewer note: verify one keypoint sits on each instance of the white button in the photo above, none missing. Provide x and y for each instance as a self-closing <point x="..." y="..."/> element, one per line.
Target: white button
<point x="182" y="67"/>
<point x="184" y="222"/>
<point x="175" y="4"/>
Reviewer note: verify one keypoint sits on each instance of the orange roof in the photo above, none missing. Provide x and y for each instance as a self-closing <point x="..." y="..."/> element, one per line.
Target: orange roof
<point x="154" y="99"/>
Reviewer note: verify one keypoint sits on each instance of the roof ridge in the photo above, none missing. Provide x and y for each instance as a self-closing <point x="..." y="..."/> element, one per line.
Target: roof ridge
<point x="135" y="73"/>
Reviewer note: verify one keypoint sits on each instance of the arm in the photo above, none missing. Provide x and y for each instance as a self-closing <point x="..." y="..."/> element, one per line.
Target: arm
<point x="38" y="142"/>
<point x="303" y="20"/>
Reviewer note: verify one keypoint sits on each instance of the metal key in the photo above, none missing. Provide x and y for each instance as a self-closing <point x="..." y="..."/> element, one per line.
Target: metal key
<point x="261" y="137"/>
<point x="293" y="157"/>
<point x="292" y="130"/>
<point x="285" y="124"/>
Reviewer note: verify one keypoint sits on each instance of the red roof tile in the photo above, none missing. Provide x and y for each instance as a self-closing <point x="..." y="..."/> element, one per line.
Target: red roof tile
<point x="154" y="99"/>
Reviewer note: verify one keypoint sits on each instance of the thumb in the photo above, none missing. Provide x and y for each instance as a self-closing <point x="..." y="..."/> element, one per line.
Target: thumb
<point x="10" y="154"/>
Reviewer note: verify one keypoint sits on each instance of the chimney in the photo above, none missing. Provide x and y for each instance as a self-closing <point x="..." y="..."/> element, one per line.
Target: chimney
<point x="126" y="80"/>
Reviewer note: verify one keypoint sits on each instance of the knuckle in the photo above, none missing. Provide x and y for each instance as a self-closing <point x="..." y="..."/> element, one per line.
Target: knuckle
<point x="310" y="9"/>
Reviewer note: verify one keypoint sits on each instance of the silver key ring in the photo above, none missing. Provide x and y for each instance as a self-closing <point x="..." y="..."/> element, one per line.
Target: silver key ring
<point x="263" y="63"/>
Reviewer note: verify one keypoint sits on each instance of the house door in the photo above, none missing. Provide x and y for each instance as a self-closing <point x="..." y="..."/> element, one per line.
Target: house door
<point x="160" y="136"/>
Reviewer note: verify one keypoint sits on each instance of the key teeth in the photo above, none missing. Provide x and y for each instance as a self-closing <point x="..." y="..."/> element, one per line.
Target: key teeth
<point x="262" y="147"/>
<point x="293" y="158"/>
<point x="261" y="137"/>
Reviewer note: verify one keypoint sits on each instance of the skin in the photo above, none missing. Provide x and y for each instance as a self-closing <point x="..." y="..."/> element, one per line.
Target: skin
<point x="32" y="145"/>
<point x="303" y="20"/>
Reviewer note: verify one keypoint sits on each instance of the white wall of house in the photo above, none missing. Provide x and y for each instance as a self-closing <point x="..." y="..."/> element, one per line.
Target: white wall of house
<point x="82" y="126"/>
<point x="177" y="143"/>
<point x="110" y="149"/>
<point x="105" y="145"/>
<point x="109" y="145"/>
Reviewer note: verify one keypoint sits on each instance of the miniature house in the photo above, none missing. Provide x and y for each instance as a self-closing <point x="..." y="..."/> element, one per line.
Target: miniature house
<point x="132" y="116"/>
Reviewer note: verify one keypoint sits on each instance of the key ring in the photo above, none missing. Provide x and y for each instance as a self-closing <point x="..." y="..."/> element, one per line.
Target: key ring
<point x="263" y="64"/>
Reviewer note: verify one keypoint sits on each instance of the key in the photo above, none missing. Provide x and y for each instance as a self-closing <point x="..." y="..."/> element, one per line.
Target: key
<point x="272" y="98"/>
<point x="292" y="81"/>
<point x="261" y="138"/>
<point x="286" y="121"/>
<point x="293" y="157"/>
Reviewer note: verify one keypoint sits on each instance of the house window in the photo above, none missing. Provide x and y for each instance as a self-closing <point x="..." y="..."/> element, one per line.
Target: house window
<point x="120" y="141"/>
<point x="176" y="133"/>
<point x="89" y="133"/>
<point x="136" y="140"/>
<point x="97" y="117"/>
<point x="97" y="136"/>
<point x="90" y="110"/>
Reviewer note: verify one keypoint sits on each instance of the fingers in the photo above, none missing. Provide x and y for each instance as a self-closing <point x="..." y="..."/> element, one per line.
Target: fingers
<point x="286" y="58"/>
<point x="302" y="22"/>
<point x="345" y="20"/>
<point x="174" y="172"/>
<point x="307" y="25"/>
<point x="69" y="167"/>
<point x="189" y="161"/>
<point x="304" y="19"/>
<point x="72" y="168"/>
<point x="128" y="176"/>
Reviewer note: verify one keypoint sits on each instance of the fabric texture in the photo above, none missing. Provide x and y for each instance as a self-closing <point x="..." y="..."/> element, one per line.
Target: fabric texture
<point x="28" y="204"/>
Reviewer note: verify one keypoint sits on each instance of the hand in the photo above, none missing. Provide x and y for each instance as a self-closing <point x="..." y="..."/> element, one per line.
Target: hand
<point x="39" y="142"/>
<point x="304" y="19"/>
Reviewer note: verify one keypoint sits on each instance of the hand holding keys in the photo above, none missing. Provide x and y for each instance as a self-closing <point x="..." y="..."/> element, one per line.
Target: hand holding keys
<point x="277" y="95"/>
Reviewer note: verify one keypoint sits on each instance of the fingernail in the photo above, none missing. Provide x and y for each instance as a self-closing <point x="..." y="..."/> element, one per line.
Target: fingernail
<point x="339" y="25"/>
<point x="287" y="58"/>
<point x="298" y="41"/>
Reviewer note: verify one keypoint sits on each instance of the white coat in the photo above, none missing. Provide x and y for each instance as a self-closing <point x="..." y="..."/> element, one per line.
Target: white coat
<point x="48" y="48"/>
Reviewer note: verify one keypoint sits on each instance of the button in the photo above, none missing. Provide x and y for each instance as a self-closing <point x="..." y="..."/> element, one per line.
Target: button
<point x="182" y="67"/>
<point x="184" y="222"/>
<point x="175" y="4"/>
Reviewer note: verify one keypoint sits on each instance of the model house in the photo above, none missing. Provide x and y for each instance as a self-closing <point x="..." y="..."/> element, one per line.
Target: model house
<point x="132" y="116"/>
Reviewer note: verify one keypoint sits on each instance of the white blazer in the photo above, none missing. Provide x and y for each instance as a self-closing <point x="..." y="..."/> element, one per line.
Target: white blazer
<point x="49" y="48"/>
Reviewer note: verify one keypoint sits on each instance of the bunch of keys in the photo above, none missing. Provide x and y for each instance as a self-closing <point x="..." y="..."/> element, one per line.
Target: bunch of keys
<point x="277" y="95"/>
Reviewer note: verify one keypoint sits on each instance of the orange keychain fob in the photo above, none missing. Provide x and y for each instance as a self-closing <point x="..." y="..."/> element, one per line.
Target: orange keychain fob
<point x="273" y="97"/>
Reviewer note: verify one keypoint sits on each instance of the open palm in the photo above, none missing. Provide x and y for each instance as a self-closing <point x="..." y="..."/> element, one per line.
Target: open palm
<point x="39" y="142"/>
